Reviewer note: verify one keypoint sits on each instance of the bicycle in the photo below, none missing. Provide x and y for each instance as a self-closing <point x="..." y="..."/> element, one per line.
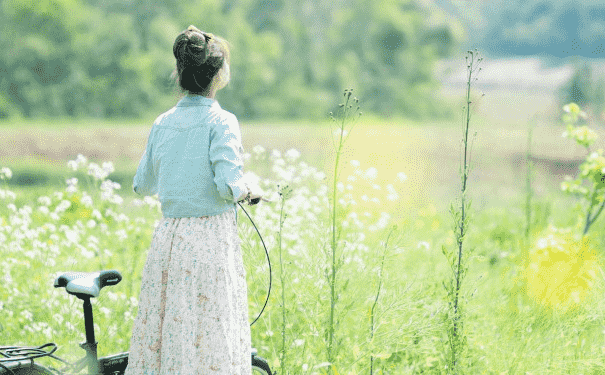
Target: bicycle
<point x="15" y="360"/>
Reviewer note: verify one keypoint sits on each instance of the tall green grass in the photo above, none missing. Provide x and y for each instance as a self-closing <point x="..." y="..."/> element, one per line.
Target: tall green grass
<point x="396" y="330"/>
<point x="360" y="275"/>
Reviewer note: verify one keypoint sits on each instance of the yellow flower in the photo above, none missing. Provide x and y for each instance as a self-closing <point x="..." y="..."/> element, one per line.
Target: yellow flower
<point x="561" y="270"/>
<point x="584" y="135"/>
<point x="572" y="108"/>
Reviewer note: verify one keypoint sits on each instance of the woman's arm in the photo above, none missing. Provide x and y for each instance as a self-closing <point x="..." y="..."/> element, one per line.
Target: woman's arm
<point x="226" y="157"/>
<point x="145" y="182"/>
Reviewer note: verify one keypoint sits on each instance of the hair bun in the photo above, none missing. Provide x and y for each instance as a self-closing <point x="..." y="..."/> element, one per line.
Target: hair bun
<point x="196" y="49"/>
<point x="190" y="48"/>
<point x="199" y="57"/>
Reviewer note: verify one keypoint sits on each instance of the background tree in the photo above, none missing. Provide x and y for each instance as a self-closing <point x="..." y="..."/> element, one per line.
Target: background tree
<point x="113" y="58"/>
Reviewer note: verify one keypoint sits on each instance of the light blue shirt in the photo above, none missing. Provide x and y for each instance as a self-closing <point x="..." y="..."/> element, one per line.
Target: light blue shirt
<point x="193" y="160"/>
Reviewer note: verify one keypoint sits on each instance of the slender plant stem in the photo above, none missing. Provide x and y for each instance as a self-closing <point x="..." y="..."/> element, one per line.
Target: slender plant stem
<point x="283" y="363"/>
<point x="462" y="205"/>
<point x="457" y="336"/>
<point x="386" y="244"/>
<point x="591" y="220"/>
<point x="334" y="230"/>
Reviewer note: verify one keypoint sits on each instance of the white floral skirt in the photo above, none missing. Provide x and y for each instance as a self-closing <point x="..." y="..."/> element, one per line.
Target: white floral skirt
<point x="193" y="307"/>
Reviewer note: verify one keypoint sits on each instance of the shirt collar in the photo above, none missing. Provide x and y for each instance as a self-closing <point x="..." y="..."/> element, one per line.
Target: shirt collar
<point x="196" y="100"/>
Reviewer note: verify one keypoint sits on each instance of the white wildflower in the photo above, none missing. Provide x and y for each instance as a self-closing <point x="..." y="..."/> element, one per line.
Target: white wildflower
<point x="105" y="311"/>
<point x="5" y="174"/>
<point x="72" y="184"/>
<point x="258" y="149"/>
<point x="423" y="244"/>
<point x="81" y="159"/>
<point x="355" y="163"/>
<point x="292" y="155"/>
<point x="371" y="173"/>
<point x="27" y="315"/>
<point x="109" y="185"/>
<point x="275" y="154"/>
<point x="7" y="194"/>
<point x="96" y="214"/>
<point x="72" y="236"/>
<point x="392" y="196"/>
<point x="108" y="167"/>
<point x="121" y="234"/>
<point x="86" y="253"/>
<point x="87" y="200"/>
<point x="44" y="200"/>
<point x="58" y="318"/>
<point x="73" y="165"/>
<point x="64" y="205"/>
<point x="401" y="176"/>
<point x="97" y="172"/>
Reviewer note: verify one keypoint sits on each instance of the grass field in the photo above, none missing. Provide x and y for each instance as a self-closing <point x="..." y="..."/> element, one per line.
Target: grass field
<point x="428" y="153"/>
<point x="514" y="322"/>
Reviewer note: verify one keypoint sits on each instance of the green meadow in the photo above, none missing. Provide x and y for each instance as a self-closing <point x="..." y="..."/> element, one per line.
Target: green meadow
<point x="533" y="300"/>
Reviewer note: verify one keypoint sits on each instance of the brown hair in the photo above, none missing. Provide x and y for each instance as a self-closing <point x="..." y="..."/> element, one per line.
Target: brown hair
<point x="200" y="56"/>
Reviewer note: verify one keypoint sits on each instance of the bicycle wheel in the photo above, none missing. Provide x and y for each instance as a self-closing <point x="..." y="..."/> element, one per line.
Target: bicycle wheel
<point x="28" y="369"/>
<point x="260" y="366"/>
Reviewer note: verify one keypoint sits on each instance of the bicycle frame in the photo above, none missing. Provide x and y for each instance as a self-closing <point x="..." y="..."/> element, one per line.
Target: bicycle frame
<point x="116" y="362"/>
<point x="84" y="286"/>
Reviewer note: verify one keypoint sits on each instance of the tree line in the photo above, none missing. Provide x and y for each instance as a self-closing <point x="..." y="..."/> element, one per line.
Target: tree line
<point x="290" y="58"/>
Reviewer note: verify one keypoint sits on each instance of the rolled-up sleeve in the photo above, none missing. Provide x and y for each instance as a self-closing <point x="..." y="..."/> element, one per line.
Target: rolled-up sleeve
<point x="226" y="157"/>
<point x="145" y="181"/>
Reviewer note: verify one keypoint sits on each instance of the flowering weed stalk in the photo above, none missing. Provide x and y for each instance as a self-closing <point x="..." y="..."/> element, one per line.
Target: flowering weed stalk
<point x="284" y="194"/>
<point x="348" y="115"/>
<point x="590" y="183"/>
<point x="375" y="303"/>
<point x="457" y="261"/>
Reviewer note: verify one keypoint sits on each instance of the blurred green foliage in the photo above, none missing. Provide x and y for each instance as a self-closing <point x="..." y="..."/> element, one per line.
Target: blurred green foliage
<point x="113" y="58"/>
<point x="586" y="89"/>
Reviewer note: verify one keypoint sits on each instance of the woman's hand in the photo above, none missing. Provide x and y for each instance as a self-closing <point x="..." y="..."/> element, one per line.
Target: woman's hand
<point x="255" y="195"/>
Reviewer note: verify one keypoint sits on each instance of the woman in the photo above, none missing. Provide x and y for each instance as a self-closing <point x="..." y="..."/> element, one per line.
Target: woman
<point x="193" y="308"/>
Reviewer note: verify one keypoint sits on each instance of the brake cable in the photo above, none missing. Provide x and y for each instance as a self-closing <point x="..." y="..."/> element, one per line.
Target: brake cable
<point x="268" y="261"/>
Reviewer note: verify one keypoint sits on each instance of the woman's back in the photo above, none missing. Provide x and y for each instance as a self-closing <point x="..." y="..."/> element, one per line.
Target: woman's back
<point x="193" y="159"/>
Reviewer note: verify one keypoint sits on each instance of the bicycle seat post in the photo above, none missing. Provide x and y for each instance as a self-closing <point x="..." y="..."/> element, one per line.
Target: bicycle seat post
<point x="90" y="345"/>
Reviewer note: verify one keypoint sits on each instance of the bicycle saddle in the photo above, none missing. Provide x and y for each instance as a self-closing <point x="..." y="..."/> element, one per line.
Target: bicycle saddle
<point x="87" y="284"/>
